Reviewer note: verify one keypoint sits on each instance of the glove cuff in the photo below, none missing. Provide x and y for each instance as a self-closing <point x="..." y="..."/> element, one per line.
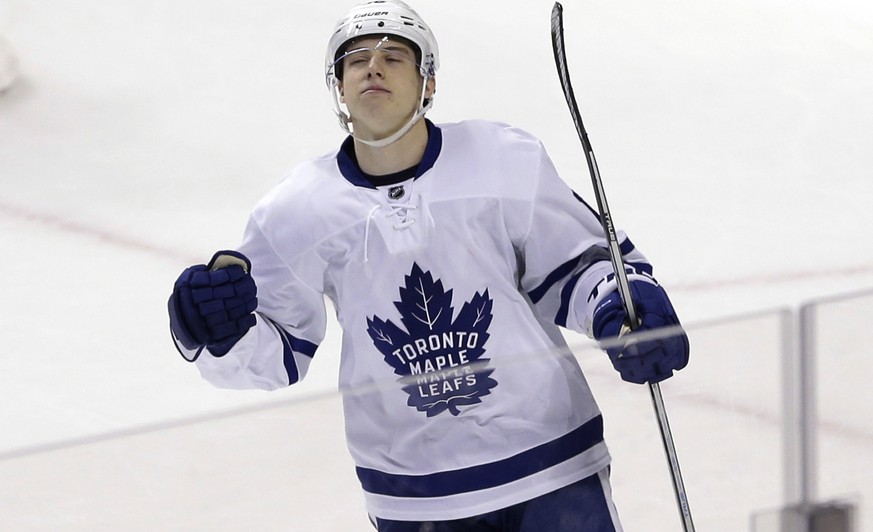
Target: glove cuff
<point x="229" y="257"/>
<point x="608" y="286"/>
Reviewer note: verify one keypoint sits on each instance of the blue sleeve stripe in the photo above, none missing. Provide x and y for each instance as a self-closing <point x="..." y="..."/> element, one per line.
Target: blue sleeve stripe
<point x="641" y="266"/>
<point x="559" y="273"/>
<point x="589" y="257"/>
<point x="484" y="476"/>
<point x="290" y="345"/>
<point x="288" y="360"/>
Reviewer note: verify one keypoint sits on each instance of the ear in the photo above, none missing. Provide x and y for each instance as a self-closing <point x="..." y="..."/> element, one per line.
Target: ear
<point x="342" y="92"/>
<point x="430" y="88"/>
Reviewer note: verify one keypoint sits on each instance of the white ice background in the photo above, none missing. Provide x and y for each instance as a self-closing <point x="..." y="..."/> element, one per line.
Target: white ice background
<point x="734" y="139"/>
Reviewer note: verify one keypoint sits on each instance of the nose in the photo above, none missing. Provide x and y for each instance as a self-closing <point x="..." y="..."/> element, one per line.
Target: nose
<point x="375" y="67"/>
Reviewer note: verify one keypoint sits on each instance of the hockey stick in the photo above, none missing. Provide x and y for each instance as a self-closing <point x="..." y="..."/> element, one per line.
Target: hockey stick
<point x="615" y="256"/>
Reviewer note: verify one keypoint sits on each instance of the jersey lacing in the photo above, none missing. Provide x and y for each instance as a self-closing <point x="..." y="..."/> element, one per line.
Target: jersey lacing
<point x="403" y="218"/>
<point x="401" y="213"/>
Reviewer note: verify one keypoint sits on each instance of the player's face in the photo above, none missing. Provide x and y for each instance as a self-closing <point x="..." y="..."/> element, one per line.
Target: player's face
<point x="381" y="86"/>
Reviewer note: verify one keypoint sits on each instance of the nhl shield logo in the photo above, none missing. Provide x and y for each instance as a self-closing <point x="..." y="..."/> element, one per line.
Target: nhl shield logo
<point x="438" y="358"/>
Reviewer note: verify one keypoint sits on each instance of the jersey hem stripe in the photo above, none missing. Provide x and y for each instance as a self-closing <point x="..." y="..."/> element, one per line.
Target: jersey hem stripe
<point x="488" y="475"/>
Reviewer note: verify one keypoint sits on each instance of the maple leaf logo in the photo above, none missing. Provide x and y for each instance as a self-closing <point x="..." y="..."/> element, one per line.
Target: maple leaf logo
<point x="439" y="359"/>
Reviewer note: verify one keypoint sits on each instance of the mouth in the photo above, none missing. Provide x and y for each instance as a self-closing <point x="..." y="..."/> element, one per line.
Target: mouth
<point x="375" y="89"/>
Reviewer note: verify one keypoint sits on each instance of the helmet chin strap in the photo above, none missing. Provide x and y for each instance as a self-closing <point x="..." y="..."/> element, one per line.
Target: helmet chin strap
<point x="394" y="137"/>
<point x="346" y="121"/>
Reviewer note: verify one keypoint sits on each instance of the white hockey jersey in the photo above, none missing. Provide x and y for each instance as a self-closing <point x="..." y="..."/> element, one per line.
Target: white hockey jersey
<point x="450" y="289"/>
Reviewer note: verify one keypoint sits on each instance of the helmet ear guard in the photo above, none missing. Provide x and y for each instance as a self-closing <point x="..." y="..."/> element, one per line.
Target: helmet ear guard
<point x="386" y="18"/>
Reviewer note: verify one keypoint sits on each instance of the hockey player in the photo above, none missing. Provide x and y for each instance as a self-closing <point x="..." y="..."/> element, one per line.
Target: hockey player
<point x="452" y="254"/>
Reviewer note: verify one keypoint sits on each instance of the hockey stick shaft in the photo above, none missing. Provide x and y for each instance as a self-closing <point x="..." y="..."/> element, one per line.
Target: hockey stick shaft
<point x="616" y="258"/>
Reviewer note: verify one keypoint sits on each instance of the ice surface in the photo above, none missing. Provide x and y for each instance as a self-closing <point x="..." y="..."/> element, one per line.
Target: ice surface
<point x="733" y="138"/>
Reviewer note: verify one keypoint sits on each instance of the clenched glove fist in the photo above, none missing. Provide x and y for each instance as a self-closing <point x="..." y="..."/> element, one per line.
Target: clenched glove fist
<point x="212" y="304"/>
<point x="642" y="360"/>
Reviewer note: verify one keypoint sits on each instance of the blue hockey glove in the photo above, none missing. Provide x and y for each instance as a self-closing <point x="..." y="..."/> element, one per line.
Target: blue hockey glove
<point x="641" y="361"/>
<point x="212" y="304"/>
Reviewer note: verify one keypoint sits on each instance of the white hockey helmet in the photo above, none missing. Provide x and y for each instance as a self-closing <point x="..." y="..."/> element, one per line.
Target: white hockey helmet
<point x="382" y="17"/>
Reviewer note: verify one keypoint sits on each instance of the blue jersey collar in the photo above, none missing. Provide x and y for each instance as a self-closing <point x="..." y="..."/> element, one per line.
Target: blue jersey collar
<point x="348" y="165"/>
